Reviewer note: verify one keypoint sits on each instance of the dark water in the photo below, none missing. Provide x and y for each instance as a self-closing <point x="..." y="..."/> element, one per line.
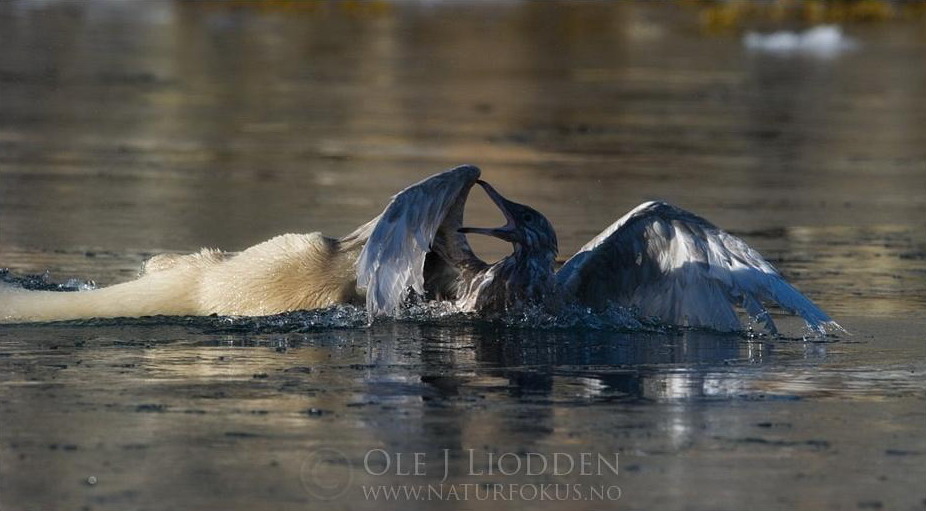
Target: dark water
<point x="130" y="128"/>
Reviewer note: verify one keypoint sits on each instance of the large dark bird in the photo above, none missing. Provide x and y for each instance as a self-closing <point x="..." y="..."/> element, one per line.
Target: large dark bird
<point x="661" y="260"/>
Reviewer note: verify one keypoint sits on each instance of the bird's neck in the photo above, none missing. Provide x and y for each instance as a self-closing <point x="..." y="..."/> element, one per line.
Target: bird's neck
<point x="525" y="278"/>
<point x="536" y="262"/>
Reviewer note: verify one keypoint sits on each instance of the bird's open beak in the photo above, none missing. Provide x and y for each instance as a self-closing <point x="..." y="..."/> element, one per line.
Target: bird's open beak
<point x="505" y="232"/>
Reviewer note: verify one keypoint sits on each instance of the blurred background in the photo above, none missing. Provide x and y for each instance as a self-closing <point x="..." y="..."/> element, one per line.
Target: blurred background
<point x="132" y="127"/>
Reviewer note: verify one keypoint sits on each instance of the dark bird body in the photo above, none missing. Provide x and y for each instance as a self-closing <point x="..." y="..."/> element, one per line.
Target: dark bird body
<point x="662" y="261"/>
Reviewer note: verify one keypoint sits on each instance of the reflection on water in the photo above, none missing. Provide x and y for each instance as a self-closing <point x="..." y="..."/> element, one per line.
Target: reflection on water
<point x="199" y="400"/>
<point x="129" y="128"/>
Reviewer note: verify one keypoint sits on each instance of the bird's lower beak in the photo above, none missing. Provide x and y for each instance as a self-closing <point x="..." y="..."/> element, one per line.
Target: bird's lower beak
<point x="505" y="232"/>
<point x="498" y="232"/>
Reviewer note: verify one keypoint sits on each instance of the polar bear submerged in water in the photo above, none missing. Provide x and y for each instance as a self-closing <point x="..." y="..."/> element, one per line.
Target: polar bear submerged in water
<point x="289" y="272"/>
<point x="658" y="259"/>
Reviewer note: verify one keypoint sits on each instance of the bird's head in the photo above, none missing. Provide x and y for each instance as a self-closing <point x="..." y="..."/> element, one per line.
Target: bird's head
<point x="526" y="228"/>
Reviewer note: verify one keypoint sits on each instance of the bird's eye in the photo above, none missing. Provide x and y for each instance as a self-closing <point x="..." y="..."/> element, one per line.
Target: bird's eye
<point x="527" y="217"/>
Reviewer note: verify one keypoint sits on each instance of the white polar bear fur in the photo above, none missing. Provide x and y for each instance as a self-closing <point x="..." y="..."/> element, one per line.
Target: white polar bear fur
<point x="289" y="272"/>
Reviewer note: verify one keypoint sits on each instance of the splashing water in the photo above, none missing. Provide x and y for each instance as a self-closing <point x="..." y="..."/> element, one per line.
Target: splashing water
<point x="42" y="282"/>
<point x="444" y="313"/>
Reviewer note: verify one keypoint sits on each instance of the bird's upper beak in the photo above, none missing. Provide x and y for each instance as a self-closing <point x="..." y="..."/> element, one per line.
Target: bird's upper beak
<point x="506" y="232"/>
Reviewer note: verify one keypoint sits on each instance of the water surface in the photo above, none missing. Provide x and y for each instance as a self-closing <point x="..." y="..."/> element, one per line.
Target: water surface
<point x="131" y="128"/>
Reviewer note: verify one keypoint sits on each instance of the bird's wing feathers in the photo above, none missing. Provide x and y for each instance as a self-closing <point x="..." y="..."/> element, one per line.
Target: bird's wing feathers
<point x="674" y="265"/>
<point x="392" y="260"/>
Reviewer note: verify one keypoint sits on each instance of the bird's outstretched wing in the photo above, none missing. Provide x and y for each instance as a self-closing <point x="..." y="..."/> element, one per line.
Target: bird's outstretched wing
<point x="675" y="265"/>
<point x="420" y="216"/>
